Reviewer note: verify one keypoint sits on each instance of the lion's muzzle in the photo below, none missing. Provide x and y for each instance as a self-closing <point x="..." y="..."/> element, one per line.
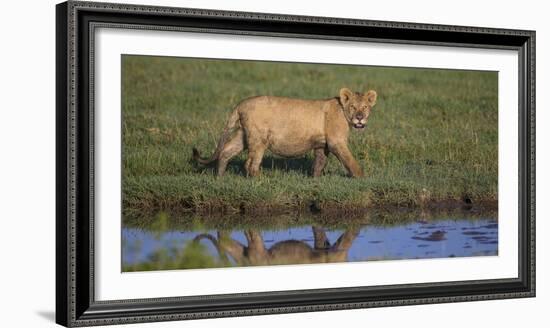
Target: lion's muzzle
<point x="359" y="123"/>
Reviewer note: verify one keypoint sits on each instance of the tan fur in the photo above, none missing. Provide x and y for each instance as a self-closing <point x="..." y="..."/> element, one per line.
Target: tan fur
<point x="292" y="127"/>
<point x="283" y="252"/>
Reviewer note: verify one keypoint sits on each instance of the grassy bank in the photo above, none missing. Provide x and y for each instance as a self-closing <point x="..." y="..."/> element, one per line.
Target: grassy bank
<point x="432" y="137"/>
<point x="174" y="221"/>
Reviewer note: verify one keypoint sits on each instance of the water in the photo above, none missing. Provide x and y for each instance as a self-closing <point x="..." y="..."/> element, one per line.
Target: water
<point x="172" y="248"/>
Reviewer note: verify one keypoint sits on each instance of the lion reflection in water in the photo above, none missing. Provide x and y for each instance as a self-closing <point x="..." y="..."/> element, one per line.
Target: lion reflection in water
<point x="283" y="252"/>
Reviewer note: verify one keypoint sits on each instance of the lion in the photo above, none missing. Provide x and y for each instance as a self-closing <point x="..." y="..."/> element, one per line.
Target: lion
<point x="290" y="127"/>
<point x="255" y="252"/>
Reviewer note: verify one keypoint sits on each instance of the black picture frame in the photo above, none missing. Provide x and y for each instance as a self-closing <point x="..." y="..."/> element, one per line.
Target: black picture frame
<point x="75" y="302"/>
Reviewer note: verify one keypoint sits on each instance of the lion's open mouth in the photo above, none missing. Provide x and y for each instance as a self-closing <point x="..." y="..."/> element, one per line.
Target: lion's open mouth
<point x="359" y="126"/>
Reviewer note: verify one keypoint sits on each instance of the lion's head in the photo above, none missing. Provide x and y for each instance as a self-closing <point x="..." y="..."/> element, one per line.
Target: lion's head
<point x="357" y="106"/>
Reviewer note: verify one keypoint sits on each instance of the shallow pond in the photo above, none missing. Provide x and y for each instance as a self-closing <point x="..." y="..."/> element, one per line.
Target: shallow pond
<point x="172" y="248"/>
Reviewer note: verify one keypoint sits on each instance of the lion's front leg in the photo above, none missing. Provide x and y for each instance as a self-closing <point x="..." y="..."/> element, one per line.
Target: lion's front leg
<point x="319" y="162"/>
<point x="320" y="238"/>
<point x="345" y="157"/>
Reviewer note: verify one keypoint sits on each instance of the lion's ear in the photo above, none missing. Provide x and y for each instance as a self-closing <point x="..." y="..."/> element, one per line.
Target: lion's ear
<point x="371" y="97"/>
<point x="345" y="95"/>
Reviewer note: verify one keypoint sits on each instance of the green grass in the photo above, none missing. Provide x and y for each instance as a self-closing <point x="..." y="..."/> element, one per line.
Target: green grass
<point x="190" y="256"/>
<point x="162" y="222"/>
<point x="432" y="136"/>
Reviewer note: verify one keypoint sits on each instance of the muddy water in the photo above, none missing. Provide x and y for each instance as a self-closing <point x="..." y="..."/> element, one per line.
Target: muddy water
<point x="172" y="248"/>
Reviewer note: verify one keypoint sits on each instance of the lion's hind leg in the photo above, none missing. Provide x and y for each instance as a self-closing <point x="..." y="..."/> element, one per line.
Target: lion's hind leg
<point x="255" y="155"/>
<point x="231" y="149"/>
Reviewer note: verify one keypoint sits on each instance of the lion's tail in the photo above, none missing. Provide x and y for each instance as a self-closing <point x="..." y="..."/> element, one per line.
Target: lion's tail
<point x="206" y="236"/>
<point x="215" y="242"/>
<point x="231" y="123"/>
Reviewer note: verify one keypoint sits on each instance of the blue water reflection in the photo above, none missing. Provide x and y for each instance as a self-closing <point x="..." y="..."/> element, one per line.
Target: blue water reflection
<point x="307" y="244"/>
